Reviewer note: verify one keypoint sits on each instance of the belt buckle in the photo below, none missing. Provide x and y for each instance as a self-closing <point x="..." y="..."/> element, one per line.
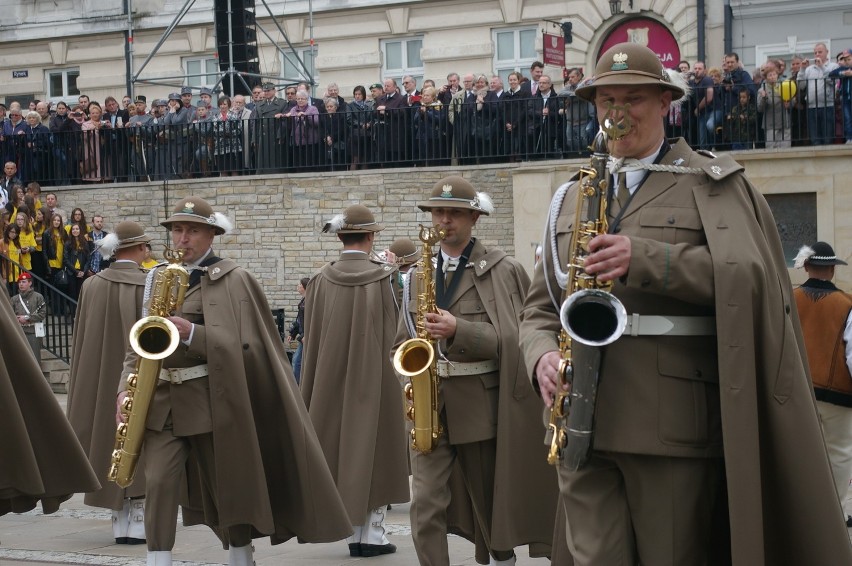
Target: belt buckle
<point x="174" y="376"/>
<point x="443" y="368"/>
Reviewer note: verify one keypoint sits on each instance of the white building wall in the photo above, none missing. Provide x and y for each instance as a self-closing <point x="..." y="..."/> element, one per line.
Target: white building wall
<point x="40" y="35"/>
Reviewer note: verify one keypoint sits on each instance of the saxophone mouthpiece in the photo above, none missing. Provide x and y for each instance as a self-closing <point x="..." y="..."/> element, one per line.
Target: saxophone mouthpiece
<point x="617" y="122"/>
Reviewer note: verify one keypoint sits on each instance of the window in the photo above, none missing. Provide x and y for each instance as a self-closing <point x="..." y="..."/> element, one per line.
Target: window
<point x="514" y="50"/>
<point x="293" y="70"/>
<point x="401" y="57"/>
<point x="787" y="51"/>
<point x="62" y="85"/>
<point x="201" y="71"/>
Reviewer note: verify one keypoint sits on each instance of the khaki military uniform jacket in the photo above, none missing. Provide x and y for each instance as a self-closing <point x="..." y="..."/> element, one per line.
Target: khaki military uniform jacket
<point x="348" y="383"/>
<point x="707" y="244"/>
<point x="110" y="303"/>
<point x="35" y="309"/>
<point x="501" y="404"/>
<point x="271" y="473"/>
<point x="40" y="458"/>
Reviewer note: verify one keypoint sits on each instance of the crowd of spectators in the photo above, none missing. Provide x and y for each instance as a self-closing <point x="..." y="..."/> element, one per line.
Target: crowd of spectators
<point x="468" y="119"/>
<point x="732" y="109"/>
<point x="39" y="237"/>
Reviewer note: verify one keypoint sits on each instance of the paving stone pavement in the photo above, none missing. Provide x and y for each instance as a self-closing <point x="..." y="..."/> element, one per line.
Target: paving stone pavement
<point x="78" y="534"/>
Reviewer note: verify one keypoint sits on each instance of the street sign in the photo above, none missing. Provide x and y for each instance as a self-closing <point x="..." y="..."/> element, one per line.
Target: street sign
<point x="20" y="74"/>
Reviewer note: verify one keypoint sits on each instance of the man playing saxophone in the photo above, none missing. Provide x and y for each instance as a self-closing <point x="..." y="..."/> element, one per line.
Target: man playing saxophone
<point x="489" y="458"/>
<point x="711" y="345"/>
<point x="348" y="384"/>
<point x="226" y="424"/>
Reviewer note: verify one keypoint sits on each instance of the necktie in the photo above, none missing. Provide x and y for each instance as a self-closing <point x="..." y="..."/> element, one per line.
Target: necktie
<point x="622" y="195"/>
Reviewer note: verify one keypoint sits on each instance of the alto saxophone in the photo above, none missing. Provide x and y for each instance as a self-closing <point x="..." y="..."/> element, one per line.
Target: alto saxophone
<point x="153" y="338"/>
<point x="591" y="316"/>
<point x="416" y="359"/>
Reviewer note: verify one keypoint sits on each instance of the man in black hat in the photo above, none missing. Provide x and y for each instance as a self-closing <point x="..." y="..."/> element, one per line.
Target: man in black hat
<point x="826" y="315"/>
<point x="350" y="321"/>
<point x="486" y="478"/>
<point x="267" y="136"/>
<point x="708" y="343"/>
<point x="226" y="421"/>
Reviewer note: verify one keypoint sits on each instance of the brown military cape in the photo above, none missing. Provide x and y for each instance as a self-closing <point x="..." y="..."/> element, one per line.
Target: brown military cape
<point x="526" y="490"/>
<point x="779" y="503"/>
<point x="110" y="303"/>
<point x="348" y="383"/>
<point x="40" y="458"/>
<point x="270" y="469"/>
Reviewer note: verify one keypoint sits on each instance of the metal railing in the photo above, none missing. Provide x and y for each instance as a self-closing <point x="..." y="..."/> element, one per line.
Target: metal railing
<point x="61" y="308"/>
<point x="462" y="132"/>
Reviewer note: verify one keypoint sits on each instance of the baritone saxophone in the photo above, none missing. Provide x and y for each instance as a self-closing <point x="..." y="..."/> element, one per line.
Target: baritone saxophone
<point x="416" y="358"/>
<point x="590" y="315"/>
<point x="153" y="338"/>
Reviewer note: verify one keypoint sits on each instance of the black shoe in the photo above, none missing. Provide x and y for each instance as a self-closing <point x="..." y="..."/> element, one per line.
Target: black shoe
<point x="848" y="522"/>
<point x="370" y="550"/>
<point x="121" y="540"/>
<point x="131" y="540"/>
<point x="354" y="549"/>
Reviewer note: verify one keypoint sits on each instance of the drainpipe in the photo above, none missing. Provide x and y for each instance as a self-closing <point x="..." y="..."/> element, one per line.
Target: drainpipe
<point x="702" y="22"/>
<point x="128" y="49"/>
<point x="729" y="27"/>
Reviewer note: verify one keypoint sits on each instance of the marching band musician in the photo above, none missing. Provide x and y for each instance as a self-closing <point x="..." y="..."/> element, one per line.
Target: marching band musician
<point x="348" y="382"/>
<point x="707" y="448"/>
<point x="486" y="479"/>
<point x="40" y="458"/>
<point x="226" y="425"/>
<point x="110" y="304"/>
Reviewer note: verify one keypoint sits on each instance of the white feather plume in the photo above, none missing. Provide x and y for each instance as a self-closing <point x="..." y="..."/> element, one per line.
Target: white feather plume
<point x="678" y="79"/>
<point x="223" y="222"/>
<point x="335" y="224"/>
<point x="107" y="245"/>
<point x="485" y="202"/>
<point x="805" y="252"/>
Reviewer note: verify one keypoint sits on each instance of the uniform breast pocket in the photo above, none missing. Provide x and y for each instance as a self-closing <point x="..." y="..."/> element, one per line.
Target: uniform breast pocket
<point x="192" y="308"/>
<point x="472" y="310"/>
<point x="675" y="225"/>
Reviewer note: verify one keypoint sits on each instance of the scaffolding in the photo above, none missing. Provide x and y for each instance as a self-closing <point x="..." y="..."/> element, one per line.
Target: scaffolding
<point x="179" y="81"/>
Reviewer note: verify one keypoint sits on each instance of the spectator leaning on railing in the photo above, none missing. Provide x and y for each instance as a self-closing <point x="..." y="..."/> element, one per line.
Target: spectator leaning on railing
<point x="844" y="73"/>
<point x="814" y="79"/>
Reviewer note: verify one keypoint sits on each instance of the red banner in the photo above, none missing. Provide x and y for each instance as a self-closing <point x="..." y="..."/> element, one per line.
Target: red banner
<point x="647" y="32"/>
<point x="554" y="50"/>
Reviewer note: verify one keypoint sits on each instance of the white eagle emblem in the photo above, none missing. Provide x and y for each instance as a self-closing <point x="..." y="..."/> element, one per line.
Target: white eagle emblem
<point x="619" y="62"/>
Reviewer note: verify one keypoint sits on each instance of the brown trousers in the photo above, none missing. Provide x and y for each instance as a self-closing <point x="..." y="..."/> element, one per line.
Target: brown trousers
<point x="165" y="468"/>
<point x="431" y="496"/>
<point x="628" y="509"/>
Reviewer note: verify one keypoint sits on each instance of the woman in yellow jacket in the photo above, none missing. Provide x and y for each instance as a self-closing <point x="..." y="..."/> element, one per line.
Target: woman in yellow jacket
<point x="26" y="240"/>
<point x="53" y="244"/>
<point x="12" y="250"/>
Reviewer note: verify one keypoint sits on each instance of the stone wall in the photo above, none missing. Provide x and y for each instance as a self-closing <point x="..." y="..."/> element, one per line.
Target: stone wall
<point x="279" y="218"/>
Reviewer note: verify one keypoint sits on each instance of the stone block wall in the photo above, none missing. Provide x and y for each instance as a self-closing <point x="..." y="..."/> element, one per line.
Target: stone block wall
<point x="279" y="218"/>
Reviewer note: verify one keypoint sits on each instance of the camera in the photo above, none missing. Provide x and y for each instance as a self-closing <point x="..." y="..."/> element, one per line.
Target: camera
<point x="727" y="79"/>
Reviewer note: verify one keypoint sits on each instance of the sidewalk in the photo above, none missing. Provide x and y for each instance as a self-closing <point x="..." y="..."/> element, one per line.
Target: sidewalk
<point x="78" y="534"/>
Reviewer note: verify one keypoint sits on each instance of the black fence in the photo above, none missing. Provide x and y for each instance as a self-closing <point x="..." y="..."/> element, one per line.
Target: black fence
<point x="61" y="308"/>
<point x="766" y="115"/>
<point x="463" y="132"/>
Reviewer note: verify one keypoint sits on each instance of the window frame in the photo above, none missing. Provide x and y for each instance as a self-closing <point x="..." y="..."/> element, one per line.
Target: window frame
<point x="203" y="60"/>
<point x="417" y="72"/>
<point x="503" y="67"/>
<point x="66" y="97"/>
<point x="310" y="63"/>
